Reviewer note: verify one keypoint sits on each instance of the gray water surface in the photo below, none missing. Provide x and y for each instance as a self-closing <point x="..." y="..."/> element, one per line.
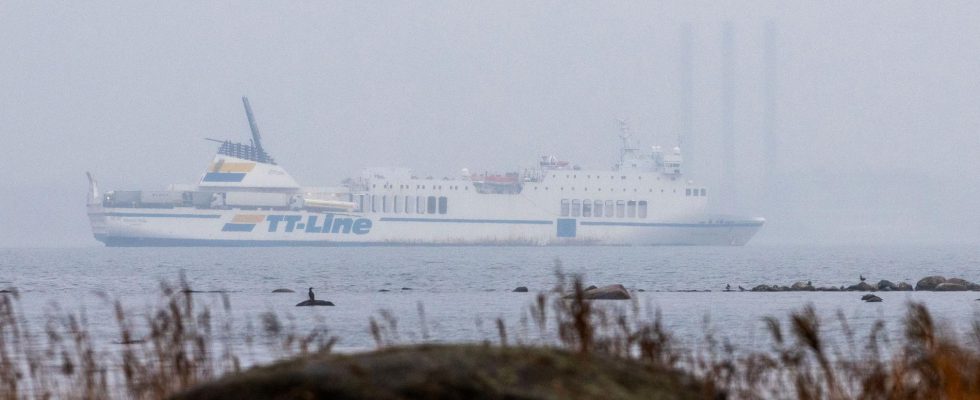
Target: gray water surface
<point x="464" y="289"/>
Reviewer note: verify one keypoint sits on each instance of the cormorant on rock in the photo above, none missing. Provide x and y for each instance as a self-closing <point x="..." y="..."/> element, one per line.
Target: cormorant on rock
<point x="809" y="283"/>
<point x="740" y="288"/>
<point x="862" y="277"/>
<point x="312" y="297"/>
<point x="728" y="287"/>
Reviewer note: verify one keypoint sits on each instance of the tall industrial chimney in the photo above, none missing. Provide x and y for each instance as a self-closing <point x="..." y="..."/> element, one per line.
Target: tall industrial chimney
<point x="728" y="116"/>
<point x="769" y="113"/>
<point x="685" y="137"/>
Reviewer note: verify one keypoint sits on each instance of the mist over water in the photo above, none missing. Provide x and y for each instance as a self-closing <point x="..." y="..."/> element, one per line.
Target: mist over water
<point x="875" y="133"/>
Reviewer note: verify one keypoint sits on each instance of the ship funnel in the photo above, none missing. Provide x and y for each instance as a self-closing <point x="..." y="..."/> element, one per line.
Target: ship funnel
<point x="256" y="138"/>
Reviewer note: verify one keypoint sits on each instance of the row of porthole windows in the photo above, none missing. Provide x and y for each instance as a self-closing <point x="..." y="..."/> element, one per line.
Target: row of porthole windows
<point x="403" y="204"/>
<point x="567" y="176"/>
<point x="607" y="208"/>
<point x="635" y="190"/>
<point x="434" y="187"/>
<point x="696" y="192"/>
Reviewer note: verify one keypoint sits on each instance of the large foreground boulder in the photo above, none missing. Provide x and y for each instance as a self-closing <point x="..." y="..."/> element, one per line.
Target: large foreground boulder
<point x="454" y="372"/>
<point x="310" y="303"/>
<point x="929" y="282"/>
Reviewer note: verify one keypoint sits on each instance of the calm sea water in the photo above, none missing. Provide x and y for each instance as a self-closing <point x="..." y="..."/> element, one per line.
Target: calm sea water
<point x="464" y="289"/>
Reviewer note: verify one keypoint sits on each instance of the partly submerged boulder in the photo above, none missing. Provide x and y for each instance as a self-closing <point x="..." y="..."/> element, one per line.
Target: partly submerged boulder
<point x="950" y="287"/>
<point x="520" y="289"/>
<point x="284" y="291"/>
<point x="861" y="287"/>
<point x="903" y="287"/>
<point x="761" y="288"/>
<point x="610" y="292"/>
<point x="870" y="298"/>
<point x="929" y="282"/>
<point x="310" y="303"/>
<point x="801" y="286"/>
<point x="885" y="284"/>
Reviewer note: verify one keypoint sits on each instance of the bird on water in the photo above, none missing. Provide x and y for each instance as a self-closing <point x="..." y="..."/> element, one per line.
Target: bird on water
<point x="312" y="297"/>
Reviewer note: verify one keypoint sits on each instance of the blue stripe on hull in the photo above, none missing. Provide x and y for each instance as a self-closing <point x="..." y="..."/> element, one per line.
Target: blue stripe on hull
<point x="469" y="221"/>
<point x="115" y="241"/>
<point x="155" y="215"/>
<point x="672" y="225"/>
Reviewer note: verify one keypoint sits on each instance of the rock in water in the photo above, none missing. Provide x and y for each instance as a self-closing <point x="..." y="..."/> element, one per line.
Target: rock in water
<point x="284" y="291"/>
<point x="871" y="298"/>
<point x="903" y="286"/>
<point x="761" y="288"/>
<point x="929" y="282"/>
<point x="958" y="281"/>
<point x="310" y="303"/>
<point x="610" y="292"/>
<point x="521" y="289"/>
<point x="886" y="285"/>
<point x="801" y="286"/>
<point x="861" y="287"/>
<point x="950" y="287"/>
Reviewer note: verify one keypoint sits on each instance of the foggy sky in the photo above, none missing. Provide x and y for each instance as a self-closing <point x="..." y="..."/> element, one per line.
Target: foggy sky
<point x="877" y="117"/>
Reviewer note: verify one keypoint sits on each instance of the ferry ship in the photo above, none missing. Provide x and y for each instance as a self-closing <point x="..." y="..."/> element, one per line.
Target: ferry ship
<point x="245" y="198"/>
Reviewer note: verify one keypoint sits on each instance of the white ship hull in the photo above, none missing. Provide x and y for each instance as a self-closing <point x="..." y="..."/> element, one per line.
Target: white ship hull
<point x="146" y="227"/>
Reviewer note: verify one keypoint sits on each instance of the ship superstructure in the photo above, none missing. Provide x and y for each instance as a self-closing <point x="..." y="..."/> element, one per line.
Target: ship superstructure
<point x="245" y="198"/>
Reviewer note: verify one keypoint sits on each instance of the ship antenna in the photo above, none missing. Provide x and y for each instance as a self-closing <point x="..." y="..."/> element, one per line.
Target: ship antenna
<point x="256" y="138"/>
<point x="625" y="135"/>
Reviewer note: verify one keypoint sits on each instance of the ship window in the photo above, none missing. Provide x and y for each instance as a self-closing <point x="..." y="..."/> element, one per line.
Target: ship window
<point x="598" y="208"/>
<point x="442" y="204"/>
<point x="374" y="203"/>
<point x="631" y="209"/>
<point x="564" y="207"/>
<point x="420" y="204"/>
<point x="687" y="192"/>
<point x="609" y="208"/>
<point x="623" y="177"/>
<point x="620" y="208"/>
<point x="430" y="205"/>
<point x="398" y="200"/>
<point x="704" y="192"/>
<point x="385" y="204"/>
<point x="409" y="204"/>
<point x="586" y="208"/>
<point x="576" y="208"/>
<point x="360" y="202"/>
<point x="642" y="211"/>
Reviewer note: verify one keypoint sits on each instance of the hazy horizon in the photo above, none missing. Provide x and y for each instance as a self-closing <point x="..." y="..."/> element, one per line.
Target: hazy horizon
<point x="876" y="119"/>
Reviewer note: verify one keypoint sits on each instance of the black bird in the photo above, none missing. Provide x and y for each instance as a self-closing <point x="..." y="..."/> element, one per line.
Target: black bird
<point x="312" y="297"/>
<point x="862" y="277"/>
<point x="809" y="283"/>
<point x="728" y="287"/>
<point x="740" y="288"/>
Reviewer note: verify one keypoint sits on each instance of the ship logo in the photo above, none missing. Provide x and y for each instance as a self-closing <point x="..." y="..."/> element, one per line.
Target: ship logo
<point x="331" y="223"/>
<point x="222" y="171"/>
<point x="243" y="223"/>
